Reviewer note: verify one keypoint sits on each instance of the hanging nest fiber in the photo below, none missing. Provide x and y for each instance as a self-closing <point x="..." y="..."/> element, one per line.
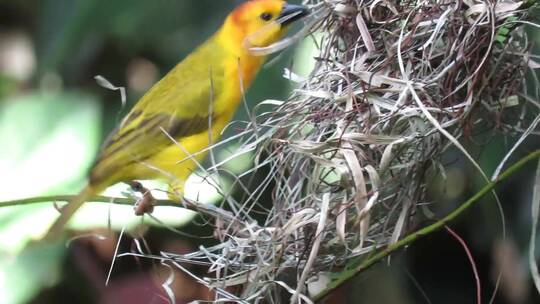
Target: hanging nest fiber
<point x="395" y="84"/>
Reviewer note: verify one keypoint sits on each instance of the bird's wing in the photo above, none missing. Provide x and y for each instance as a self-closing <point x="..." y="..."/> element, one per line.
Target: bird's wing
<point x="190" y="87"/>
<point x="143" y="140"/>
<point x="177" y="106"/>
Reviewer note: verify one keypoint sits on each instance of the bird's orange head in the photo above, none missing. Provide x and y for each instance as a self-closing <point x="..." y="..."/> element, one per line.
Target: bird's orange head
<point x="259" y="23"/>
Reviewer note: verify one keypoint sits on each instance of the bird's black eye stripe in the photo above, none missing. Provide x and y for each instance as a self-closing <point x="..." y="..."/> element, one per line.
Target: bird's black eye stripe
<point x="266" y="16"/>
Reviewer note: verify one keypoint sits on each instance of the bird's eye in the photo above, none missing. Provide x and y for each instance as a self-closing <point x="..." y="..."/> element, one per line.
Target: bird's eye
<point x="266" y="16"/>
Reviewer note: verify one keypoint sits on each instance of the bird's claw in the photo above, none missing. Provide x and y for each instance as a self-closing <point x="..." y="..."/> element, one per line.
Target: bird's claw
<point x="146" y="203"/>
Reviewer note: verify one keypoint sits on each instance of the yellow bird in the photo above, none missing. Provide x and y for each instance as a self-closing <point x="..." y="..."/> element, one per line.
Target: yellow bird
<point x="192" y="104"/>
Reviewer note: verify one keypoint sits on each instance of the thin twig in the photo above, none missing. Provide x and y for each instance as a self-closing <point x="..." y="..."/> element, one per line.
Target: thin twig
<point x="471" y="260"/>
<point x="96" y="199"/>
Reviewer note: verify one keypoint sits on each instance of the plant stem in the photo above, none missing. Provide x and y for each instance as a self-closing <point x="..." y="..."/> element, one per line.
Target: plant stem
<point x="347" y="275"/>
<point x="97" y="199"/>
<point x="187" y="204"/>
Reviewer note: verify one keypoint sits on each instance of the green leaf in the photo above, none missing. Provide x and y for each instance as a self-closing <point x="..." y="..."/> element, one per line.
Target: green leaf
<point x="48" y="140"/>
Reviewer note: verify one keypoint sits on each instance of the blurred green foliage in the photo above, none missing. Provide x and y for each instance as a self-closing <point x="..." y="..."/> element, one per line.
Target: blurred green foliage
<point x="48" y="140"/>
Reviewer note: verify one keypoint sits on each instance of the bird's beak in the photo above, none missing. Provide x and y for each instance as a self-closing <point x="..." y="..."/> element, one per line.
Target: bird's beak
<point x="290" y="13"/>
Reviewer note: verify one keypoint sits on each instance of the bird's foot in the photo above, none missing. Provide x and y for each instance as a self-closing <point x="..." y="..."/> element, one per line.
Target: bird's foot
<point x="146" y="203"/>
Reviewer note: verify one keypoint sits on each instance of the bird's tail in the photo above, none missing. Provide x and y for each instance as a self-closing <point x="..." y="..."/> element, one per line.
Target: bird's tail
<point x="55" y="231"/>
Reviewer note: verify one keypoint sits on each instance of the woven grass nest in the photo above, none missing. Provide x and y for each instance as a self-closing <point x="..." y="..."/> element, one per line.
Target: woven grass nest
<point x="396" y="83"/>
